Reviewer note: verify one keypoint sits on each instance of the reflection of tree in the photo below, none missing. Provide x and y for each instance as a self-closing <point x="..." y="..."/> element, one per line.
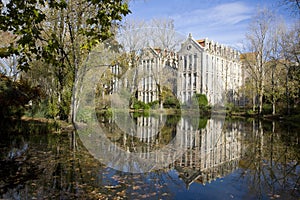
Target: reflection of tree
<point x="271" y="160"/>
<point x="57" y="166"/>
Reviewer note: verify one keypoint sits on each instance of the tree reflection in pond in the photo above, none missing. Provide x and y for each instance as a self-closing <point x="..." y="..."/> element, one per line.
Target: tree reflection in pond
<point x="271" y="161"/>
<point x="237" y="159"/>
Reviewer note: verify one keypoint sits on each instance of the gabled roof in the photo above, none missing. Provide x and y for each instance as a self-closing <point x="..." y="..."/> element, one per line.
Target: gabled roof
<point x="151" y="50"/>
<point x="199" y="44"/>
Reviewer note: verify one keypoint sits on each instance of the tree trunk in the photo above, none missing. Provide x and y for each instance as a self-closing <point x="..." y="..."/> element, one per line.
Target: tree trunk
<point x="260" y="106"/>
<point x="261" y="95"/>
<point x="72" y="116"/>
<point x="160" y="97"/>
<point x="287" y="92"/>
<point x="273" y="93"/>
<point x="253" y="102"/>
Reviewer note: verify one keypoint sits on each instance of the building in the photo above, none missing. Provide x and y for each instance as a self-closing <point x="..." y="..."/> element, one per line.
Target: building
<point x="199" y="67"/>
<point x="206" y="67"/>
<point x="152" y="65"/>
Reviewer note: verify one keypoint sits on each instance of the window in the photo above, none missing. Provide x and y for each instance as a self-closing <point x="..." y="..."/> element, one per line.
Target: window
<point x="195" y="62"/>
<point x="195" y="80"/>
<point x="190" y="61"/>
<point x="185" y="62"/>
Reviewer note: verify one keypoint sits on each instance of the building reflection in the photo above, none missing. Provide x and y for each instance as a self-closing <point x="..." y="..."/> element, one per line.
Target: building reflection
<point x="211" y="152"/>
<point x="209" y="148"/>
<point x="35" y="165"/>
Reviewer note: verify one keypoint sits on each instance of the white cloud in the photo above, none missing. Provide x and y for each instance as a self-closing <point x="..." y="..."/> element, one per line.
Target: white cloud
<point x="225" y="14"/>
<point x="220" y="20"/>
<point x="224" y="21"/>
<point x="231" y="13"/>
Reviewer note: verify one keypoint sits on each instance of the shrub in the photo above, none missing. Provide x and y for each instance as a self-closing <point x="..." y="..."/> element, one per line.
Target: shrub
<point x="171" y="102"/>
<point x="15" y="96"/>
<point x="202" y="100"/>
<point x="140" y="105"/>
<point x="267" y="109"/>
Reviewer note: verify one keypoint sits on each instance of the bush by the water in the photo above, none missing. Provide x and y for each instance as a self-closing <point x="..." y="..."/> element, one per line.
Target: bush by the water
<point x="15" y="97"/>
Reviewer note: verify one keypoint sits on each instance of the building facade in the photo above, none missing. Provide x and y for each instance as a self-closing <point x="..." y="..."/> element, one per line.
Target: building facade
<point x="199" y="67"/>
<point x="206" y="67"/>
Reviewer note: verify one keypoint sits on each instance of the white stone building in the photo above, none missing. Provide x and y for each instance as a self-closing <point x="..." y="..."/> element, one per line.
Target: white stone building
<point x="200" y="66"/>
<point x="206" y="67"/>
<point x="153" y="63"/>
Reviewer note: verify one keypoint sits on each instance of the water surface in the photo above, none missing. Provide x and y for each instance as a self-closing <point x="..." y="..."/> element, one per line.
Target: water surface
<point x="212" y="159"/>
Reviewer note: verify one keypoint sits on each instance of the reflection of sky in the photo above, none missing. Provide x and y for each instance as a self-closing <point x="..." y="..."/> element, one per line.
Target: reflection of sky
<point x="225" y="21"/>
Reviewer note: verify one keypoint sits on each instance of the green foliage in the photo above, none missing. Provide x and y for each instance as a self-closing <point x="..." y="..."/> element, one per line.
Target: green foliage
<point x="15" y="96"/>
<point x="250" y="112"/>
<point x="26" y="19"/>
<point x="59" y="34"/>
<point x="154" y="104"/>
<point x="139" y="105"/>
<point x="230" y="107"/>
<point x="202" y="100"/>
<point x="202" y="123"/>
<point x="145" y="113"/>
<point x="171" y="102"/>
<point x="85" y="115"/>
<point x="267" y="108"/>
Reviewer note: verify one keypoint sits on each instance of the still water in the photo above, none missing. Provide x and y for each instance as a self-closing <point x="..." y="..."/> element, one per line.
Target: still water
<point x="152" y="157"/>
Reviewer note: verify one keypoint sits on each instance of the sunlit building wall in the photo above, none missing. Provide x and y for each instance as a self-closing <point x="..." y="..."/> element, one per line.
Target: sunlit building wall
<point x="202" y="66"/>
<point x="209" y="68"/>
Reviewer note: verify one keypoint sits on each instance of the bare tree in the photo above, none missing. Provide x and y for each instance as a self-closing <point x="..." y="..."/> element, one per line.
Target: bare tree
<point x="131" y="35"/>
<point x="138" y="37"/>
<point x="163" y="34"/>
<point x="275" y="79"/>
<point x="292" y="5"/>
<point x="258" y="43"/>
<point x="290" y="50"/>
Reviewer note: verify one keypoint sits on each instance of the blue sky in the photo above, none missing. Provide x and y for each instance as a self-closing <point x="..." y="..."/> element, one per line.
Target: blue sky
<point x="224" y="21"/>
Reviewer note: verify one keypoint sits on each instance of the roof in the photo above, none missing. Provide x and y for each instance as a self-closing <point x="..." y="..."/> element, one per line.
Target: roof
<point x="201" y="42"/>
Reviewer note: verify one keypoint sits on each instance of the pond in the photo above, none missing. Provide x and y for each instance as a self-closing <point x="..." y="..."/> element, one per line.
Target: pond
<point x="151" y="157"/>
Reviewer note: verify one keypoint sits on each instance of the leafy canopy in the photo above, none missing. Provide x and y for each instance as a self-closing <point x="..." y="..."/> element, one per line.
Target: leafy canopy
<point x="28" y="20"/>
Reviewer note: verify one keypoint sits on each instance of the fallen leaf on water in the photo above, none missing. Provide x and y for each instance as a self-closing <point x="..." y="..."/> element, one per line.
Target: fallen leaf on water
<point x="112" y="186"/>
<point x="122" y="193"/>
<point x="136" y="187"/>
<point x="153" y="194"/>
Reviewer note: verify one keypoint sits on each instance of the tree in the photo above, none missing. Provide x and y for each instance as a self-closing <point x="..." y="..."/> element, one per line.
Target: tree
<point x="61" y="34"/>
<point x="290" y="50"/>
<point x="8" y="65"/>
<point x="15" y="97"/>
<point x="259" y="45"/>
<point x="163" y="34"/>
<point x="274" y="79"/>
<point x="293" y="6"/>
<point x="161" y="38"/>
